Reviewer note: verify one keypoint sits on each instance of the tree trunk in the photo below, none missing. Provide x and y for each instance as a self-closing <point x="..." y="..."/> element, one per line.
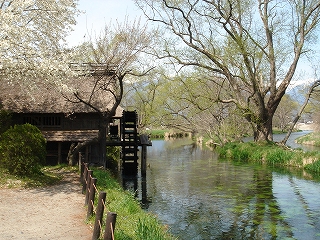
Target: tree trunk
<point x="263" y="132"/>
<point x="71" y="155"/>
<point x="75" y="149"/>
<point x="103" y="144"/>
<point x="104" y="123"/>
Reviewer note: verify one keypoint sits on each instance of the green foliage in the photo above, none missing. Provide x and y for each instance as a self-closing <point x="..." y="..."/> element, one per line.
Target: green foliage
<point x="148" y="229"/>
<point x="239" y="151"/>
<point x="113" y="155"/>
<point x="5" y="120"/>
<point x="132" y="222"/>
<point x="22" y="150"/>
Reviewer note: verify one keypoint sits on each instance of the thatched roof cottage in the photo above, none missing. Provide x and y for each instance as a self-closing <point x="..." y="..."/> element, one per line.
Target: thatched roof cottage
<point x="54" y="110"/>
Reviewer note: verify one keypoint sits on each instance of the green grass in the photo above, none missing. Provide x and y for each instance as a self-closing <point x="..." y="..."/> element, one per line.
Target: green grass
<point x="280" y="157"/>
<point x="158" y="133"/>
<point x="48" y="176"/>
<point x="132" y="222"/>
<point x="271" y="154"/>
<point x="311" y="138"/>
<point x="313" y="167"/>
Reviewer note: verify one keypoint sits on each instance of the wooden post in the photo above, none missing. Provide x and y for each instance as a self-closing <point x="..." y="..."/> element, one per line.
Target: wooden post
<point x="86" y="158"/>
<point x="89" y="177"/>
<point x="144" y="196"/>
<point x="81" y="167"/>
<point x="59" y="152"/>
<point x="99" y="215"/>
<point x="91" y="197"/>
<point x="144" y="142"/>
<point x="84" y="177"/>
<point x="110" y="226"/>
<point x="144" y="160"/>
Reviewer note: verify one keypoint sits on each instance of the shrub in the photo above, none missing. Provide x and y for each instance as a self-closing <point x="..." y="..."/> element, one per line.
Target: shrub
<point x="113" y="156"/>
<point x="22" y="150"/>
<point x="5" y="120"/>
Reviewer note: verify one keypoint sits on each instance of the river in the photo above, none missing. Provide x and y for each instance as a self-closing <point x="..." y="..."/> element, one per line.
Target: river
<point x="199" y="196"/>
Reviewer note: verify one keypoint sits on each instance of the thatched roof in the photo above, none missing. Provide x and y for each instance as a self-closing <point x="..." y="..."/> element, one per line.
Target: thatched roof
<point x="46" y="97"/>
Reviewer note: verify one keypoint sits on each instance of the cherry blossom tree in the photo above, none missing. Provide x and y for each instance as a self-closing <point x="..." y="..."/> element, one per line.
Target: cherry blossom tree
<point x="32" y="37"/>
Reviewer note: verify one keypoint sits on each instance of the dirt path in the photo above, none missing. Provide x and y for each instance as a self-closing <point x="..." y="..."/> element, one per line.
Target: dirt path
<point x="55" y="212"/>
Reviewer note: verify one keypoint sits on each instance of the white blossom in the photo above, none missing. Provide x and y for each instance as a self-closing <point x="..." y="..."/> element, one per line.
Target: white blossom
<point x="32" y="38"/>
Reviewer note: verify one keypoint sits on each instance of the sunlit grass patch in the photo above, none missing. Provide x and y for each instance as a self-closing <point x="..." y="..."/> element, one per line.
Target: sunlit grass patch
<point x="158" y="133"/>
<point x="45" y="178"/>
<point x="310" y="139"/>
<point x="148" y="228"/>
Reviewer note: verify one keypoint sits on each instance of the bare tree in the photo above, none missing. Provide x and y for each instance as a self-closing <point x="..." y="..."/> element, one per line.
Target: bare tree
<point x="285" y="113"/>
<point x="188" y="105"/>
<point x="250" y="49"/>
<point x="315" y="106"/>
<point x="103" y="64"/>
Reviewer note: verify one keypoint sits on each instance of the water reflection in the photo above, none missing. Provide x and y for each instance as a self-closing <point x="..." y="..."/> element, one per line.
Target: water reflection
<point x="202" y="197"/>
<point x="138" y="186"/>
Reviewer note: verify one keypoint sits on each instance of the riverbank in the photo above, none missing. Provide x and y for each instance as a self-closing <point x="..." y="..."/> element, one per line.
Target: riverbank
<point x="272" y="154"/>
<point x="312" y="138"/>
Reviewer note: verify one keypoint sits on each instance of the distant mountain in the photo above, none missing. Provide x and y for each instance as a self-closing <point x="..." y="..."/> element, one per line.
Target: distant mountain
<point x="297" y="93"/>
<point x="298" y="89"/>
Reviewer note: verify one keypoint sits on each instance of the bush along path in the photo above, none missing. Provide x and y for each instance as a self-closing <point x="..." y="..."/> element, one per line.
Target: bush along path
<point x="53" y="212"/>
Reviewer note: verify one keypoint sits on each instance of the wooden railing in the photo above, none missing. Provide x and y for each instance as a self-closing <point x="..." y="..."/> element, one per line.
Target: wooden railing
<point x="89" y="188"/>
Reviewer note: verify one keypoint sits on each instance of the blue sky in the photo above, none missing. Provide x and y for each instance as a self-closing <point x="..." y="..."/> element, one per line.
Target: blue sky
<point x="98" y="13"/>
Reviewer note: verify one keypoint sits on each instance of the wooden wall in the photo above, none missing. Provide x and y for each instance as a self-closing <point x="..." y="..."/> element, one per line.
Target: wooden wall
<point x="59" y="121"/>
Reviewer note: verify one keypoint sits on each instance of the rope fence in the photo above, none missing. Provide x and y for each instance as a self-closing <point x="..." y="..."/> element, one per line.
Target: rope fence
<point x="89" y="188"/>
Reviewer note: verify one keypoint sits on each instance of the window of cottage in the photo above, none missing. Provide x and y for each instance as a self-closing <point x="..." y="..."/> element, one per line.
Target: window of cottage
<point x="43" y="121"/>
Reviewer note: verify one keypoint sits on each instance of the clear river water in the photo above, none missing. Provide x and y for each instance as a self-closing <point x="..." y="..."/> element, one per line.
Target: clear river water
<point x="199" y="196"/>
